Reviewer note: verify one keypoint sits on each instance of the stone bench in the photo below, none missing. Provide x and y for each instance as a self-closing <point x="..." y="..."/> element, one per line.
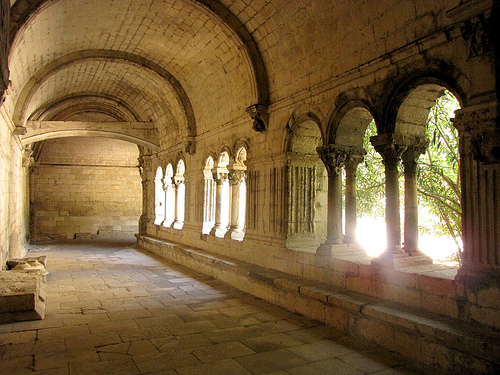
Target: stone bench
<point x="425" y="337"/>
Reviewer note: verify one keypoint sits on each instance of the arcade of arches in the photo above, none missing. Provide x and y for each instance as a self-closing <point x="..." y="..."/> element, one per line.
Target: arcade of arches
<point x="218" y="132"/>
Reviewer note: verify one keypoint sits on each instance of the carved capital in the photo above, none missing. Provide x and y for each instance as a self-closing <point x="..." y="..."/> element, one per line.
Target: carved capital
<point x="479" y="125"/>
<point x="353" y="160"/>
<point x="145" y="167"/>
<point x="260" y="117"/>
<point x="412" y="153"/>
<point x="236" y="176"/>
<point x="390" y="147"/>
<point x="27" y="160"/>
<point x="220" y="177"/>
<point x="333" y="158"/>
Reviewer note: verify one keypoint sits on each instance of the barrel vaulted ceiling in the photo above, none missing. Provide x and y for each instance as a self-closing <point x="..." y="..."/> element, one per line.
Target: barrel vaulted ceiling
<point x="173" y="63"/>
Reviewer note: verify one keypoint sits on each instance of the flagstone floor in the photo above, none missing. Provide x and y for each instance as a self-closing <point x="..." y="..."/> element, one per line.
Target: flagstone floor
<point x="115" y="309"/>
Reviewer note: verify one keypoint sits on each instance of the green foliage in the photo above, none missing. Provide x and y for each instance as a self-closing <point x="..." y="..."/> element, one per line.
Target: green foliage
<point x="438" y="176"/>
<point x="370" y="179"/>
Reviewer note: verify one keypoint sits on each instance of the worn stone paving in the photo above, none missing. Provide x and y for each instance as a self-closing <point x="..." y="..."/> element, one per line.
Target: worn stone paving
<point x="114" y="309"/>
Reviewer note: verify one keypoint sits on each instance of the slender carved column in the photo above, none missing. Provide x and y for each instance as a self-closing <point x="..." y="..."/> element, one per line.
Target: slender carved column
<point x="168" y="188"/>
<point x="219" y="229"/>
<point x="390" y="146"/>
<point x="410" y="159"/>
<point x="179" y="200"/>
<point x="351" y="165"/>
<point x="148" y="200"/>
<point x="333" y="158"/>
<point x="235" y="179"/>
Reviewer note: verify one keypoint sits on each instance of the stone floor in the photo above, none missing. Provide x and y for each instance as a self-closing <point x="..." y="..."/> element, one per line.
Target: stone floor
<point x="114" y="309"/>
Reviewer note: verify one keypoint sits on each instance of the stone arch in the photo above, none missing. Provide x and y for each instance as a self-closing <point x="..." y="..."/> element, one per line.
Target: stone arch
<point x="306" y="126"/>
<point x="73" y="105"/>
<point x="417" y="91"/>
<point x="139" y="62"/>
<point x="348" y="124"/>
<point x="90" y="133"/>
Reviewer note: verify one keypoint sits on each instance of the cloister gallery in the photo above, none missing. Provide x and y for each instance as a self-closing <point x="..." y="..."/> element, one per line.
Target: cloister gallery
<point x="226" y="136"/>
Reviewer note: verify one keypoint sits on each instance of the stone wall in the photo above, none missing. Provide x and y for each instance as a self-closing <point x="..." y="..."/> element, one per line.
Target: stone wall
<point x="12" y="191"/>
<point x="82" y="187"/>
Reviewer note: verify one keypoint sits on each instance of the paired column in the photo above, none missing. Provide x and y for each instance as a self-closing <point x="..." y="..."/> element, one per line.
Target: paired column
<point x="179" y="201"/>
<point x="220" y="178"/>
<point x="236" y="177"/>
<point x="351" y="166"/>
<point x="391" y="148"/>
<point x="333" y="158"/>
<point x="410" y="161"/>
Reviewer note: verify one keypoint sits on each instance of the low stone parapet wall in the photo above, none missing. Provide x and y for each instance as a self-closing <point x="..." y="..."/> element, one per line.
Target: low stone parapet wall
<point x="427" y="337"/>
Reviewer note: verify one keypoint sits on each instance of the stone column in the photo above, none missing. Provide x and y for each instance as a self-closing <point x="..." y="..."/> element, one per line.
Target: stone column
<point x="148" y="200"/>
<point x="410" y="160"/>
<point x="179" y="202"/>
<point x="333" y="158"/>
<point x="391" y="147"/>
<point x="220" y="178"/>
<point x="351" y="165"/>
<point x="235" y="230"/>
<point x="167" y="188"/>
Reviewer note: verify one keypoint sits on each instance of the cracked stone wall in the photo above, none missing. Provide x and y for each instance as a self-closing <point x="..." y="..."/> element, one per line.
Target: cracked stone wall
<point x="85" y="187"/>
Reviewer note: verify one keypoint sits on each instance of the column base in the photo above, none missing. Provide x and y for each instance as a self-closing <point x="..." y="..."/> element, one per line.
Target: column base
<point x="178" y="225"/>
<point x="338" y="250"/>
<point x="235" y="234"/>
<point x="218" y="231"/>
<point x="397" y="260"/>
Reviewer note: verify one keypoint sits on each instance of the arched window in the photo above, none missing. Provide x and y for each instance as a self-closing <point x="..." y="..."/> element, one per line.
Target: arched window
<point x="169" y="196"/>
<point x="209" y="197"/>
<point x="159" y="197"/>
<point x="180" y="194"/>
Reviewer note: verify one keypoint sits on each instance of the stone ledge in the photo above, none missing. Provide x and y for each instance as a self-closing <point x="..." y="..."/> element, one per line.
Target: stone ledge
<point x="409" y="331"/>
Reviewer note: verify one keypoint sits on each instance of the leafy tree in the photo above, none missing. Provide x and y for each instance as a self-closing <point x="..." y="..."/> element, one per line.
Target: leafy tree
<point x="438" y="175"/>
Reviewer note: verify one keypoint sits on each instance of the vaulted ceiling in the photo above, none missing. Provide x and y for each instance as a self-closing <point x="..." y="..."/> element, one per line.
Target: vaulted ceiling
<point x="173" y="63"/>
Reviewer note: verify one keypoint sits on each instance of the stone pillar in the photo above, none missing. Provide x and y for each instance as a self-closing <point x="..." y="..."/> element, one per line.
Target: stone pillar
<point x="220" y="178"/>
<point x="169" y="205"/>
<point x="179" y="200"/>
<point x="480" y="175"/>
<point x="410" y="160"/>
<point x="391" y="147"/>
<point x="333" y="158"/>
<point x="351" y="165"/>
<point x="148" y="196"/>
<point x="235" y="230"/>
